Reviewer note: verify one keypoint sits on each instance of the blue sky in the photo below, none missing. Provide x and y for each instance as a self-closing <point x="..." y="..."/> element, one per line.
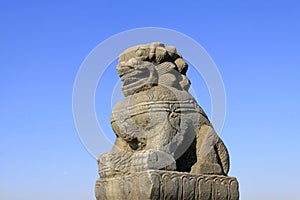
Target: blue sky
<point x="255" y="45"/>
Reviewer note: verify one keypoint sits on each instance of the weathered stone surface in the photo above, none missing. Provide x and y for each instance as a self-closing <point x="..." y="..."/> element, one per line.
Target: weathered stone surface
<point x="159" y="184"/>
<point x="160" y="126"/>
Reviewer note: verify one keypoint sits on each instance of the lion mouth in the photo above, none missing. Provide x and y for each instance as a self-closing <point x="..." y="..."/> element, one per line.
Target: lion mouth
<point x="138" y="79"/>
<point x="135" y="76"/>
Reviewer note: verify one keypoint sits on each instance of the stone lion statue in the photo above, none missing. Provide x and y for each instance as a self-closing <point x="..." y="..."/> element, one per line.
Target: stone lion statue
<point x="159" y="125"/>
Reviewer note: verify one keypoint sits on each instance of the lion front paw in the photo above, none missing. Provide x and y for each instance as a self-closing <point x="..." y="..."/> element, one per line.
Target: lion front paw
<point x="152" y="159"/>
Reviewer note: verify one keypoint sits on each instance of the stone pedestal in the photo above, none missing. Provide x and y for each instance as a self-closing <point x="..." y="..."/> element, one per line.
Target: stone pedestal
<point x="159" y="184"/>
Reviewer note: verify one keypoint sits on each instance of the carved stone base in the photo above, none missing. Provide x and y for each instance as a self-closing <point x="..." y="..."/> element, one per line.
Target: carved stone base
<point x="158" y="184"/>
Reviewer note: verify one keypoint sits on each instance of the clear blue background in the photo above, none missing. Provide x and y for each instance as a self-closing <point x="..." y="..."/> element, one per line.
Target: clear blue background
<point x="255" y="45"/>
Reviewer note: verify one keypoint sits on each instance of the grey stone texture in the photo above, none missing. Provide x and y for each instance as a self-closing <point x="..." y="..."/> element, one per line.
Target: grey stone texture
<point x="166" y="147"/>
<point x="160" y="185"/>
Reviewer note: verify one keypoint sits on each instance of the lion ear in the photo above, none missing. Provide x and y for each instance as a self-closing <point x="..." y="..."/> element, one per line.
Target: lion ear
<point x="185" y="83"/>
